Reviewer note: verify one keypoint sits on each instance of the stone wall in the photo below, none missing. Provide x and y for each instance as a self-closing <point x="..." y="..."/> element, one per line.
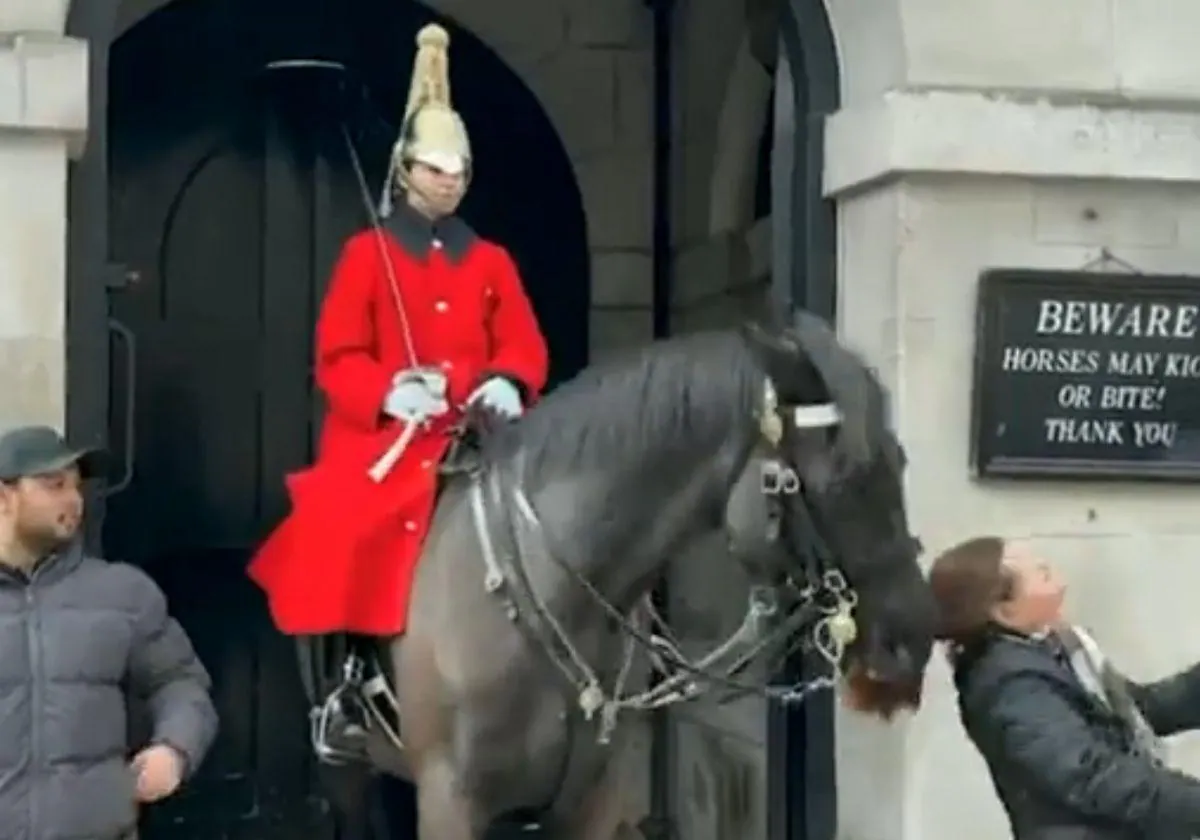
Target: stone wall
<point x="589" y="64"/>
<point x="724" y="279"/>
<point x="1124" y="549"/>
<point x="969" y="141"/>
<point x="43" y="114"/>
<point x="724" y="86"/>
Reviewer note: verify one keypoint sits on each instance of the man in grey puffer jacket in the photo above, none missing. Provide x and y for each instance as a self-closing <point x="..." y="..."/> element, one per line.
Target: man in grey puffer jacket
<point x="77" y="637"/>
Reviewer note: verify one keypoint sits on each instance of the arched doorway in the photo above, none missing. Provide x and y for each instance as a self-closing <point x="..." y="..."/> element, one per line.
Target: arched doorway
<point x="205" y="218"/>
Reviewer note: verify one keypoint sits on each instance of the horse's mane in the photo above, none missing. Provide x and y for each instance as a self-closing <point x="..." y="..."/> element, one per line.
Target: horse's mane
<point x="682" y="391"/>
<point x="672" y="393"/>
<point x="864" y="434"/>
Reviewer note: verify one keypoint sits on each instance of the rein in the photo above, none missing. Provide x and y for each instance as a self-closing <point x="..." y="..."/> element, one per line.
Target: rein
<point x="822" y="607"/>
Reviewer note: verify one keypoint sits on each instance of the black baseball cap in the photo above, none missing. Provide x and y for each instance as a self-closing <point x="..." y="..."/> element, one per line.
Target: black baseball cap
<point x="38" y="450"/>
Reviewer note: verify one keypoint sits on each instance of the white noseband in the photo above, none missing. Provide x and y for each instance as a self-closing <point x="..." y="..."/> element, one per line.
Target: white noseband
<point x="820" y="416"/>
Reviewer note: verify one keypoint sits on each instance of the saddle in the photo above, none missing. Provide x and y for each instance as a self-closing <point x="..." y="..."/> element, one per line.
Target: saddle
<point x="465" y="455"/>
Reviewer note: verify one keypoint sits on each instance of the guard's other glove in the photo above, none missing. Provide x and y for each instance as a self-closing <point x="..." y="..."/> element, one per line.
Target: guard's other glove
<point x="499" y="395"/>
<point x="416" y="394"/>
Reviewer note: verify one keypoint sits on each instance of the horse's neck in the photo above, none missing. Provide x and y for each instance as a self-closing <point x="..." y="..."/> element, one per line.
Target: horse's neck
<point x="620" y="536"/>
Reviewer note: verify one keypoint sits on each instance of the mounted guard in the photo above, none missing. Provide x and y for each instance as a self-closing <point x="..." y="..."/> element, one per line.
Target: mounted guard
<point x="503" y="692"/>
<point x="422" y="320"/>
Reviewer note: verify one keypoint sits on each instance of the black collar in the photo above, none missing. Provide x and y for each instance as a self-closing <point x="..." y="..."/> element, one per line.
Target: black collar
<point x="417" y="235"/>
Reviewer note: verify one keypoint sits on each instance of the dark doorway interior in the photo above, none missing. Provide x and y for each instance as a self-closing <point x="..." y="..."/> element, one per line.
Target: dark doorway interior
<point x="229" y="195"/>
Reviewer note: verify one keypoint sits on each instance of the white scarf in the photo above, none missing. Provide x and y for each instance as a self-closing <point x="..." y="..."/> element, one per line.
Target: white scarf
<point x="1098" y="677"/>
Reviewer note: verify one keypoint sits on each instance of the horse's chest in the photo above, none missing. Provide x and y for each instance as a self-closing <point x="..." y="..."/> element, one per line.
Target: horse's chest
<point x="522" y="759"/>
<point x="526" y="731"/>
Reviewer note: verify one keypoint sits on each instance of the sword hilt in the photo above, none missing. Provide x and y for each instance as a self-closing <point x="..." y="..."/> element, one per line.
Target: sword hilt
<point x="387" y="461"/>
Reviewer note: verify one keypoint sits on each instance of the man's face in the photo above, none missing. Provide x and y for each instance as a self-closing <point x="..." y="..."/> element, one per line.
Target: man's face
<point x="43" y="511"/>
<point x="434" y="192"/>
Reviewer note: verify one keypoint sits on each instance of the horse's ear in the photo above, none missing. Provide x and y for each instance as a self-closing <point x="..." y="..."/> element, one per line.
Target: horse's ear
<point x="761" y="340"/>
<point x="763" y="346"/>
<point x="784" y="361"/>
<point x="772" y="347"/>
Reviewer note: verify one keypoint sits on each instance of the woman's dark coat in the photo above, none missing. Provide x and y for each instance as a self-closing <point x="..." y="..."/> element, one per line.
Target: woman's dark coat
<point x="1065" y="766"/>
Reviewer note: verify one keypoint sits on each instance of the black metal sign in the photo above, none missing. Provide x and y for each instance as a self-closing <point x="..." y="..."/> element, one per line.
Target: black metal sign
<point x="1087" y="375"/>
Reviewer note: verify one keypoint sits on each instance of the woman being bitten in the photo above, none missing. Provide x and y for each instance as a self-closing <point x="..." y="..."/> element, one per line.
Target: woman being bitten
<point x="1072" y="746"/>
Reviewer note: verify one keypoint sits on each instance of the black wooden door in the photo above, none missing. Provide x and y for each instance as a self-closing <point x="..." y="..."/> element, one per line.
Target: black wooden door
<point x="222" y="212"/>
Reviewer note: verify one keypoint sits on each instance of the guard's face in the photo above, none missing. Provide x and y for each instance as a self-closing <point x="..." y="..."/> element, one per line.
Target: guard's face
<point x="434" y="191"/>
<point x="44" y="511"/>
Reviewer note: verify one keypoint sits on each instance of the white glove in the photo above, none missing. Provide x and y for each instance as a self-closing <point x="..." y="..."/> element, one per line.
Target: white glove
<point x="418" y="395"/>
<point x="432" y="378"/>
<point x="499" y="395"/>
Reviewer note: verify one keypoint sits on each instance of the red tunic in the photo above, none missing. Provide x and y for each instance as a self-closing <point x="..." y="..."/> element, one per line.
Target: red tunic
<point x="343" y="560"/>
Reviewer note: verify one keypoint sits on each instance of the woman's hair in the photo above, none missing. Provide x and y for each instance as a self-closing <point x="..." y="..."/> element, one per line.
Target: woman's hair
<point x="967" y="582"/>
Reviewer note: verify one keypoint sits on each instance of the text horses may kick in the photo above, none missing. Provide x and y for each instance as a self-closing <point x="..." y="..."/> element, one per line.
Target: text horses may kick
<point x="1170" y="322"/>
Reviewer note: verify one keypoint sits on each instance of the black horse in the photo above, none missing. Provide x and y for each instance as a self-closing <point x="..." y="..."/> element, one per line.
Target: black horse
<point x="509" y="680"/>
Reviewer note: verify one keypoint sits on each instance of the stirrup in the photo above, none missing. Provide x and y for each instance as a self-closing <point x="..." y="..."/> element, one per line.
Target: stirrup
<point x="335" y="721"/>
<point x="383" y="707"/>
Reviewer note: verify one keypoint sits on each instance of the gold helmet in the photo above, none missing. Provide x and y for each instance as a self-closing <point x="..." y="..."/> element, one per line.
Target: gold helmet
<point x="432" y="132"/>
